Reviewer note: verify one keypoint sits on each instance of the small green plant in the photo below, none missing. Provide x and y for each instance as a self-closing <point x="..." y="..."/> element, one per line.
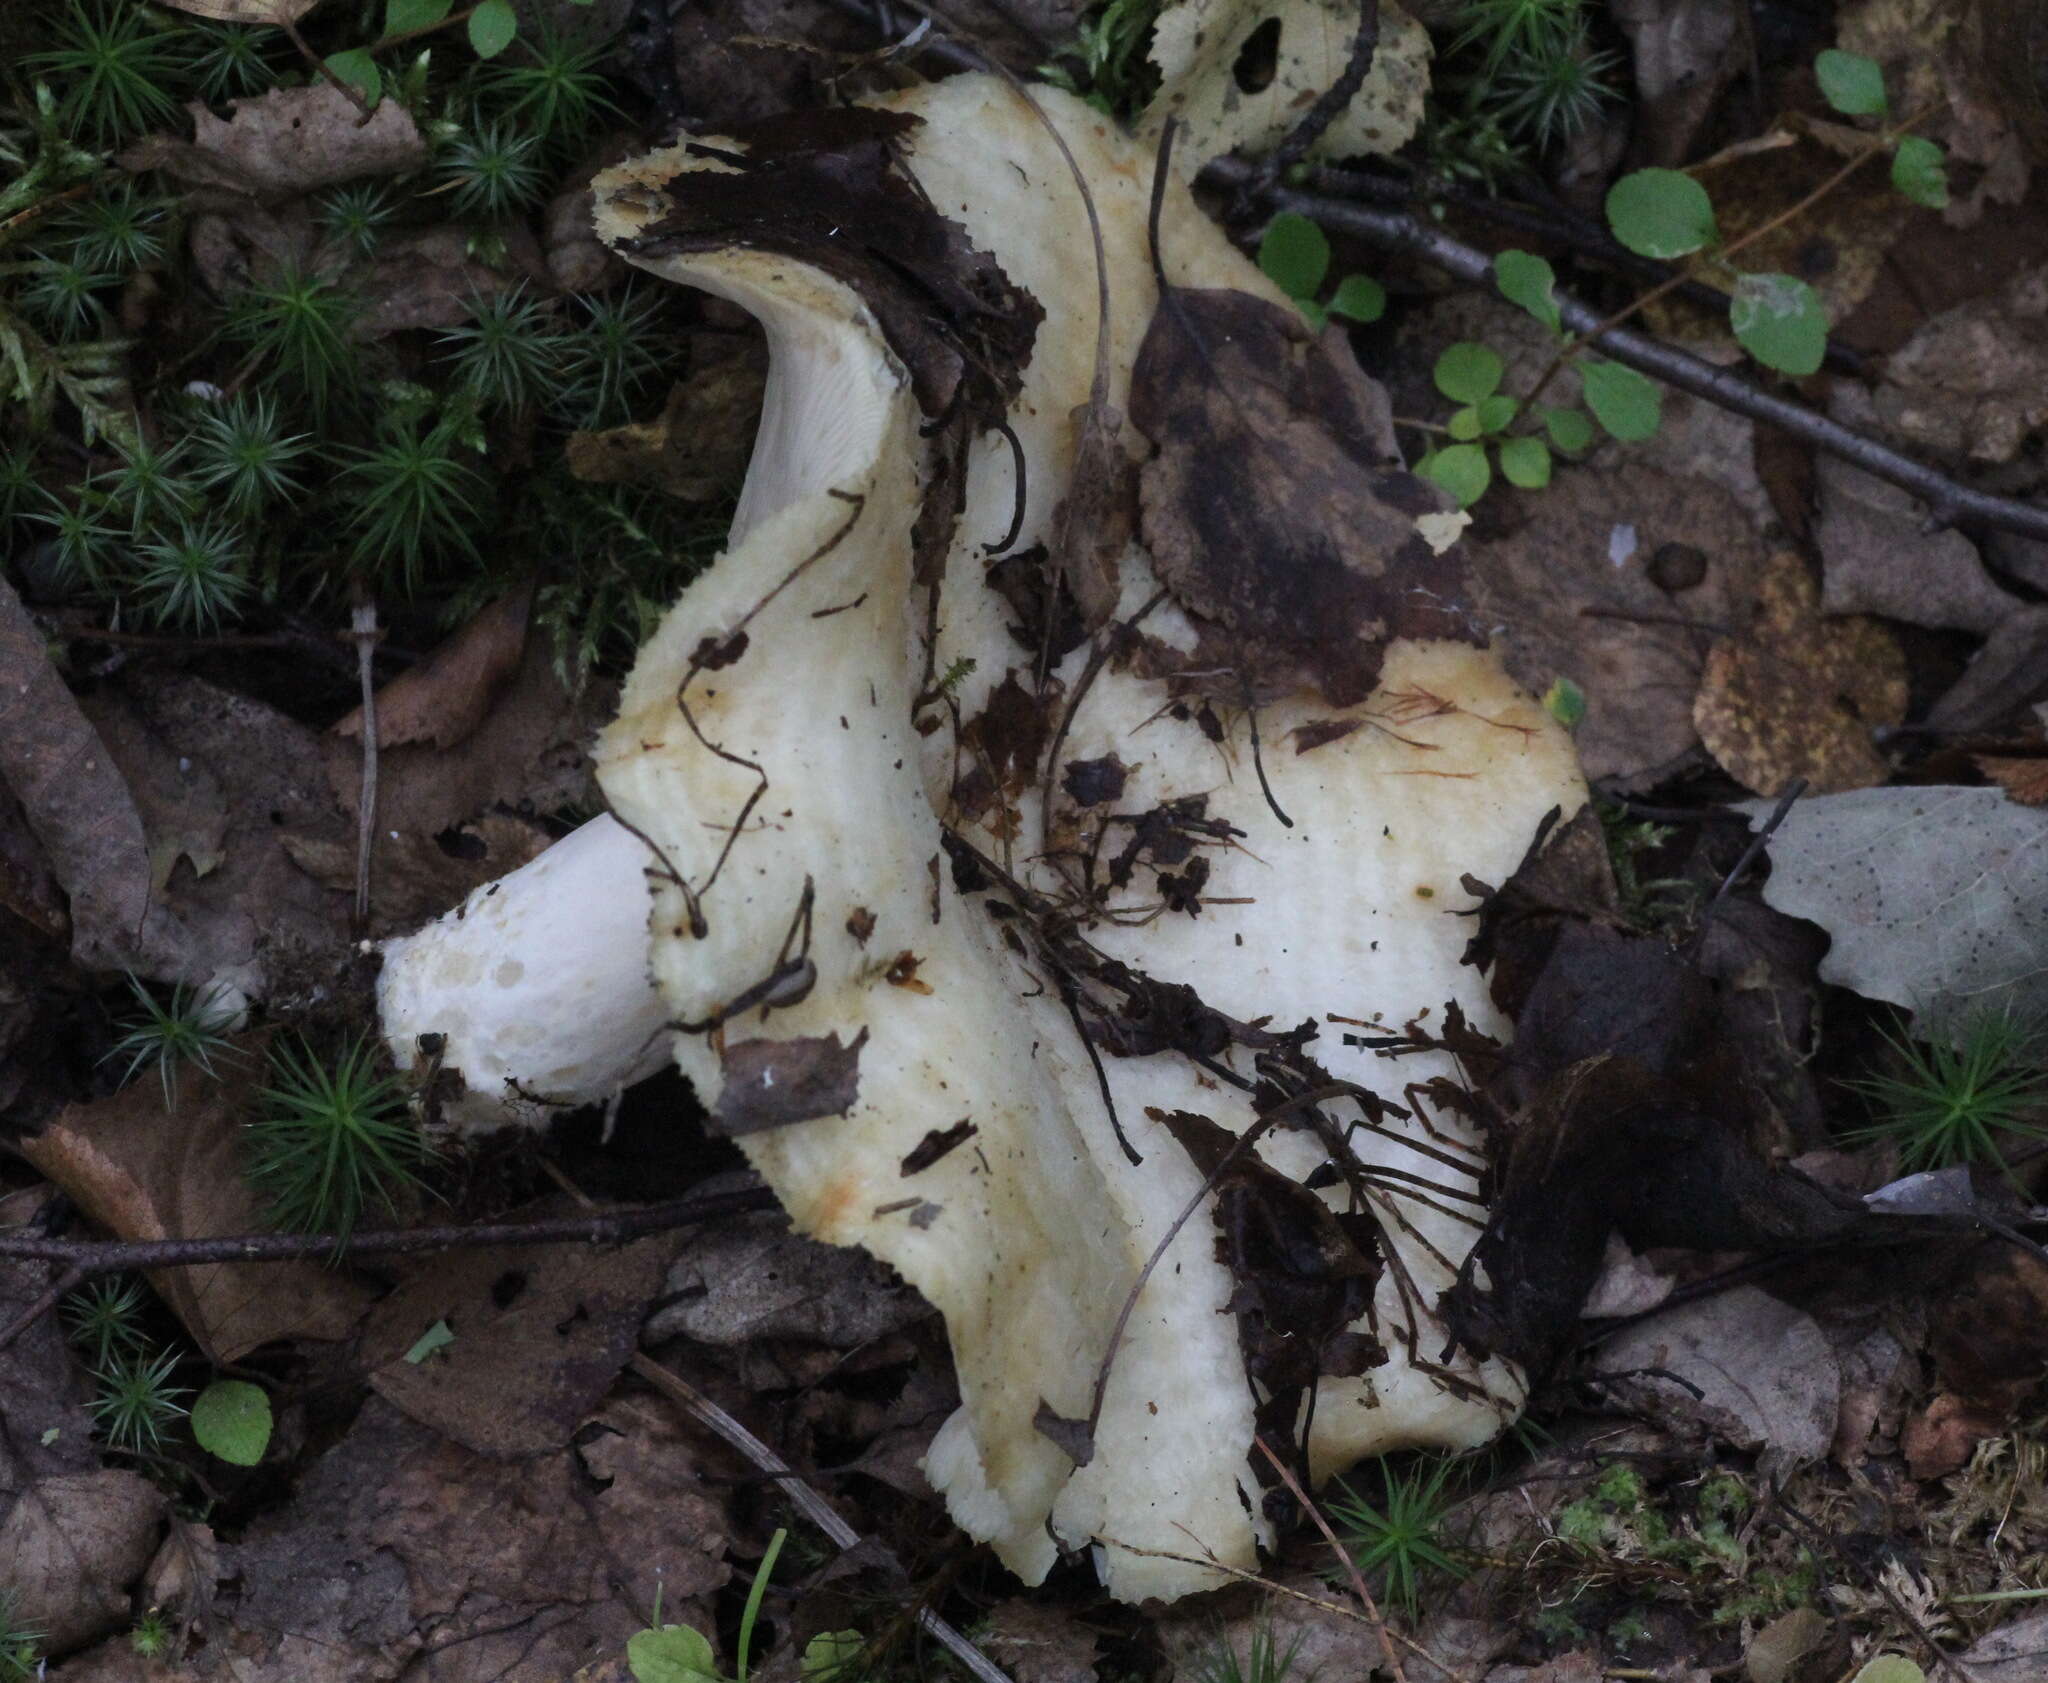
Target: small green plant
<point x="330" y="1141"/>
<point x="1644" y="900"/>
<point x="241" y="452"/>
<point x="21" y="1659"/>
<point x="120" y="230"/>
<point x="493" y="171"/>
<point x="148" y="486"/>
<point x="193" y="1027"/>
<point x="66" y="294"/>
<point x="297" y="330"/>
<point x="1400" y="1539"/>
<point x="550" y="84"/>
<point x="1960" y="1098"/>
<point x="609" y="357"/>
<point x="104" y="1320"/>
<point x="1294" y="255"/>
<point x="1107" y="64"/>
<point x="191" y="579"/>
<point x="82" y="545"/>
<point x="233" y="60"/>
<point x="1264" y="1661"/>
<point x="152" y="1635"/>
<point x="231" y="1419"/>
<point x="1529" y="68"/>
<point x="682" y="1654"/>
<point x="412" y="497"/>
<point x="137" y="1404"/>
<point x="120" y="67"/>
<point x="356" y="216"/>
<point x="507" y="354"/>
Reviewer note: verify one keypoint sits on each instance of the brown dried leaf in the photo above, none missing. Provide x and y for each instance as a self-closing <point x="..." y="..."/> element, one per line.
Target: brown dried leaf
<point x="1799" y="695"/>
<point x="1572" y="595"/>
<point x="697" y="448"/>
<point x="69" y="1549"/>
<point x="1270" y="510"/>
<point x="144" y="1172"/>
<point x="247" y="11"/>
<point x="183" y="809"/>
<point x="414" y="876"/>
<point x="2023" y="777"/>
<point x="297" y="140"/>
<point x="79" y="808"/>
<point x="444" y="698"/>
<point x="540" y="1334"/>
<point x="428" y="278"/>
<point x="773" y="1083"/>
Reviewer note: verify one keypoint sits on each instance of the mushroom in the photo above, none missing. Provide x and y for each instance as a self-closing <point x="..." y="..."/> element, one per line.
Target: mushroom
<point x="987" y="954"/>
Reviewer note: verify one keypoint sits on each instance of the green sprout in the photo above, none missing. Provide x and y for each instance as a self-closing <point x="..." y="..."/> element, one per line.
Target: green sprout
<point x="21" y="1659"/>
<point x="1115" y="74"/>
<point x="104" y="1320"/>
<point x="356" y="216"/>
<point x="1265" y="1661"/>
<point x="191" y="580"/>
<point x="507" y="355"/>
<point x="82" y="546"/>
<point x="232" y="60"/>
<point x="152" y="1635"/>
<point x="121" y="230"/>
<point x="120" y="69"/>
<point x="148" y="485"/>
<point x="550" y="84"/>
<point x="1401" y="1539"/>
<point x="412" y="497"/>
<point x="493" y="172"/>
<point x="1553" y="96"/>
<point x="299" y="329"/>
<point x="137" y="1404"/>
<point x="241" y="451"/>
<point x="331" y="1141"/>
<point x="1960" y="1099"/>
<point x="193" y="1028"/>
<point x="19" y="484"/>
<point x="65" y="294"/>
<point x="614" y="352"/>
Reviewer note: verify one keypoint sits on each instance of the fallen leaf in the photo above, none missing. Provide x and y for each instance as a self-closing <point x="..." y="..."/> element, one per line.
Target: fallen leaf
<point x="1684" y="53"/>
<point x="403" y="1552"/>
<point x="697" y="448"/>
<point x="1764" y="1371"/>
<point x="1942" y="1437"/>
<point x="80" y="810"/>
<point x="1271" y="510"/>
<point x="751" y="1278"/>
<point x="775" y="1083"/>
<point x="656" y="1512"/>
<point x="540" y="1333"/>
<point x="1197" y="45"/>
<point x="528" y="750"/>
<point x="71" y="1546"/>
<point x="413" y="875"/>
<point x="445" y="697"/>
<point x="48" y="1431"/>
<point x="1775" y="1652"/>
<point x="1572" y="594"/>
<point x="1937" y="898"/>
<point x="426" y="277"/>
<point x="2013" y="1653"/>
<point x="2024" y="778"/>
<point x="1797" y="695"/>
<point x="298" y="140"/>
<point x="1972" y="383"/>
<point x="247" y="11"/>
<point x="1034" y="1643"/>
<point x="144" y="1172"/>
<point x="183" y="810"/>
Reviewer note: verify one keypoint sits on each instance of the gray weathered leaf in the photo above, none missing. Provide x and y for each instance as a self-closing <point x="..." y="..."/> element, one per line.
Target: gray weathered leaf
<point x="1936" y="898"/>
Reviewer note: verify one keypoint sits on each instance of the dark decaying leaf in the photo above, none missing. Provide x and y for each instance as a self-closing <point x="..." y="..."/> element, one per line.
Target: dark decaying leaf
<point x="1302" y="1274"/>
<point x="772" y="1083"/>
<point x="1632" y="1119"/>
<point x="1095" y="782"/>
<point x="1271" y="509"/>
<point x="936" y="1144"/>
<point x="825" y="187"/>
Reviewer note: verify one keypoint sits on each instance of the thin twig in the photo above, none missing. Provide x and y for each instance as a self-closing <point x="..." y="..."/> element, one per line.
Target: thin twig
<point x="325" y="72"/>
<point x="1330" y="104"/>
<point x="92" y="1257"/>
<point x="363" y="626"/>
<point x="1357" y="1577"/>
